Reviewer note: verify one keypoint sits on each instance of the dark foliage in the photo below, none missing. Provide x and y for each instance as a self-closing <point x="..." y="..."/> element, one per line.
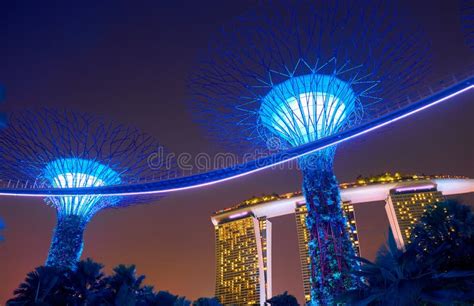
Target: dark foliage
<point x="450" y="225"/>
<point x="435" y="268"/>
<point x="165" y="298"/>
<point x="87" y="285"/>
<point x="205" y="301"/>
<point x="284" y="299"/>
<point x="44" y="286"/>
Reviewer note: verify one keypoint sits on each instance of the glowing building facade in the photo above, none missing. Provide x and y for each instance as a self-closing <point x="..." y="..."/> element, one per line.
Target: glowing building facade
<point x="243" y="254"/>
<point x="351" y="226"/>
<point x="243" y="268"/>
<point x="303" y="238"/>
<point x="406" y="204"/>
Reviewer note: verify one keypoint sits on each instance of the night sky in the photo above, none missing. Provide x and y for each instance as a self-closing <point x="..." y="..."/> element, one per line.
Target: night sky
<point x="130" y="63"/>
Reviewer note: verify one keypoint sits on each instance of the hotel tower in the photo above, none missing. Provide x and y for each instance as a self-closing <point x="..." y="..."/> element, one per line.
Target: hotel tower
<point x="406" y="204"/>
<point x="243" y="272"/>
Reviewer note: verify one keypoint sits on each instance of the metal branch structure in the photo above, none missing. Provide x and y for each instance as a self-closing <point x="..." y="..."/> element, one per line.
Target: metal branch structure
<point x="3" y="119"/>
<point x="64" y="149"/>
<point x="301" y="72"/>
<point x="467" y="21"/>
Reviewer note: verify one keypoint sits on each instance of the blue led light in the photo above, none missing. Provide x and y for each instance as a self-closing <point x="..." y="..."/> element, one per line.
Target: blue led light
<point x="306" y="108"/>
<point x="79" y="173"/>
<point x="305" y="72"/>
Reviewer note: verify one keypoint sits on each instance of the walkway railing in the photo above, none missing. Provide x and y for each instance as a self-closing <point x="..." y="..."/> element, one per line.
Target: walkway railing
<point x="17" y="188"/>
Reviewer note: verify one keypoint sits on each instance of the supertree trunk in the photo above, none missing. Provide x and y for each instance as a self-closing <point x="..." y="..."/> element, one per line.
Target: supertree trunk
<point x="331" y="252"/>
<point x="67" y="243"/>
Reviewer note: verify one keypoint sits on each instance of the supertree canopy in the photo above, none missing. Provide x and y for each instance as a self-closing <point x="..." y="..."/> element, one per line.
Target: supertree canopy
<point x="64" y="149"/>
<point x="307" y="107"/>
<point x="301" y="71"/>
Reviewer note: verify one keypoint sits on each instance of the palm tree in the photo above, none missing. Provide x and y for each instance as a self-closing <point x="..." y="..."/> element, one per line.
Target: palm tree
<point x="125" y="276"/>
<point x="182" y="301"/>
<point x="284" y="299"/>
<point x="165" y="298"/>
<point x="400" y="278"/>
<point x="451" y="224"/>
<point x="88" y="282"/>
<point x="146" y="296"/>
<point x="86" y="285"/>
<point x="43" y="286"/>
<point x="124" y="286"/>
<point x="206" y="301"/>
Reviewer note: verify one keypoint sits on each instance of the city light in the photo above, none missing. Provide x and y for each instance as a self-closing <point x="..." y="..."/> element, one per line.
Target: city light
<point x="307" y="108"/>
<point x="79" y="173"/>
<point x="415" y="188"/>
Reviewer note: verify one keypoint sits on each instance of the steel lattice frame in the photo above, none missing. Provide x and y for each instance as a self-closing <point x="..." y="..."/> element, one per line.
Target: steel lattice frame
<point x="282" y="71"/>
<point x="64" y="149"/>
<point x="467" y="21"/>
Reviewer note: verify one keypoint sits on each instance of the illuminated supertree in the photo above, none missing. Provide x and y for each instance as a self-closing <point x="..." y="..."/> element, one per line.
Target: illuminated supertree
<point x="63" y="149"/>
<point x="299" y="72"/>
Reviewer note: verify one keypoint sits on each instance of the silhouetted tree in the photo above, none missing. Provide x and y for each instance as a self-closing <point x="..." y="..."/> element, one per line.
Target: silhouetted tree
<point x="125" y="275"/>
<point x="87" y="285"/>
<point x="182" y="301"/>
<point x="450" y="224"/>
<point x="284" y="299"/>
<point x="165" y="298"/>
<point x="206" y="301"/>
<point x="43" y="286"/>
<point x="88" y="282"/>
<point x="124" y="286"/>
<point x="435" y="268"/>
<point x="398" y="278"/>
